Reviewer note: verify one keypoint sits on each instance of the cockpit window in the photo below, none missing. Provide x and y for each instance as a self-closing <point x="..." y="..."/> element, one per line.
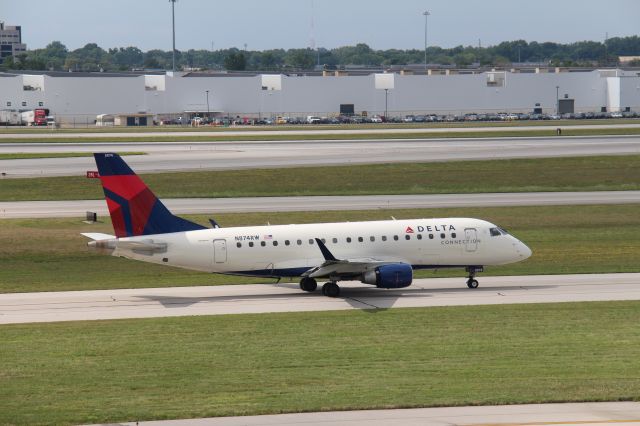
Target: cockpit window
<point x="497" y="231"/>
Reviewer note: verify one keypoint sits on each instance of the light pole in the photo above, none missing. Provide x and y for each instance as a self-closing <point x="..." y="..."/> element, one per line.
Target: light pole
<point x="207" y="105"/>
<point x="386" y="103"/>
<point x="173" y="26"/>
<point x="426" y="20"/>
<point x="557" y="100"/>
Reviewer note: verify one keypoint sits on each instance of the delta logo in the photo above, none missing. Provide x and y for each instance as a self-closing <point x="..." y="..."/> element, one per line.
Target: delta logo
<point x="409" y="230"/>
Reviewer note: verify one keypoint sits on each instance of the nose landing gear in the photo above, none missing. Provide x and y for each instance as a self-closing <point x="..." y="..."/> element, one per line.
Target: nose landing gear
<point x="473" y="270"/>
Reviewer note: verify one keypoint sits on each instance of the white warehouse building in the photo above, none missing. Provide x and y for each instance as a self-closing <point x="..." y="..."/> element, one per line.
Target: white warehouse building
<point x="80" y="97"/>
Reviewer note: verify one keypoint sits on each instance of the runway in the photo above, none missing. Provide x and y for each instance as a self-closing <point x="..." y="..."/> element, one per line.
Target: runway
<point x="592" y="413"/>
<point x="195" y="156"/>
<point x="287" y="297"/>
<point x="44" y="209"/>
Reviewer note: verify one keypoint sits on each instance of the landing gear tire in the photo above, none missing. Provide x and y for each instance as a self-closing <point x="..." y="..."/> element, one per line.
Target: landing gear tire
<point x="331" y="289"/>
<point x="308" y="284"/>
<point x="472" y="283"/>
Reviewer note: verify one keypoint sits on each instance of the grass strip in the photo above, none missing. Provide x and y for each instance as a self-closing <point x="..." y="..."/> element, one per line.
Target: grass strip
<point x="279" y="128"/>
<point x="172" y="368"/>
<point x="50" y="255"/>
<point x="612" y="173"/>
<point x="236" y="137"/>
<point x="30" y="155"/>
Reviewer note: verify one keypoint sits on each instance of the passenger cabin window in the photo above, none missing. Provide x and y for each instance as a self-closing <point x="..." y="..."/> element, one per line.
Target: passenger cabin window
<point x="360" y="239"/>
<point x="335" y="241"/>
<point x="453" y="235"/>
<point x="311" y="241"/>
<point x="275" y="243"/>
<point x="239" y="245"/>
<point x="372" y="239"/>
<point x="442" y="236"/>
<point x="324" y="241"/>
<point x="431" y="236"/>
<point x="299" y="242"/>
<point x="262" y="243"/>
<point x="407" y="237"/>
<point x="250" y="243"/>
<point x="384" y="238"/>
<point x="395" y="238"/>
<point x="419" y="236"/>
<point x="286" y="242"/>
<point x="348" y="239"/>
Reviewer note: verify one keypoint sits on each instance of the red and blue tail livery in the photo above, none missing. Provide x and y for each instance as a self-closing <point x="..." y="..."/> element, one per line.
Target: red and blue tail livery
<point x="134" y="209"/>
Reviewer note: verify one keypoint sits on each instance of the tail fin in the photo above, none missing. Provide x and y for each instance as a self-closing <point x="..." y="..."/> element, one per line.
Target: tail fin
<point x="134" y="209"/>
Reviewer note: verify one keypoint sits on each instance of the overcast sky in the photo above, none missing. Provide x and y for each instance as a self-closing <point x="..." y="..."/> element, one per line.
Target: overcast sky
<point x="268" y="24"/>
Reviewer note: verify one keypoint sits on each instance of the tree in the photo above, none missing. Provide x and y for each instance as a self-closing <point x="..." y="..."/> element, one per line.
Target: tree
<point x="300" y="58"/>
<point x="235" y="62"/>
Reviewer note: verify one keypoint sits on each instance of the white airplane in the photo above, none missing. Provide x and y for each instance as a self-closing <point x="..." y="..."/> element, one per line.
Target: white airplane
<point x="381" y="253"/>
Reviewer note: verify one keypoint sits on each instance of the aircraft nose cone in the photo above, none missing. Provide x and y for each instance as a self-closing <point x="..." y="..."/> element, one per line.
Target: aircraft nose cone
<point x="524" y="251"/>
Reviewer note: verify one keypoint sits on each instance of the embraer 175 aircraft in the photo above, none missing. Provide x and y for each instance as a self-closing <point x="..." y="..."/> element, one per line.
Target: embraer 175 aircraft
<point x="380" y="253"/>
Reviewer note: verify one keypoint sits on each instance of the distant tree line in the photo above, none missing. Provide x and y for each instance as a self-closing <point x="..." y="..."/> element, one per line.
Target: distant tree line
<point x="92" y="57"/>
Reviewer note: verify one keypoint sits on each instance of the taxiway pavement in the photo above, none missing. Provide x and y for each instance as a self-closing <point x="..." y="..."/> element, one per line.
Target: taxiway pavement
<point x="249" y="131"/>
<point x="591" y="413"/>
<point x="287" y="297"/>
<point x="195" y="156"/>
<point x="42" y="209"/>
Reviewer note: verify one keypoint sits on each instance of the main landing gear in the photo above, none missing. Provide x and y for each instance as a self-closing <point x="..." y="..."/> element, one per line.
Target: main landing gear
<point x="329" y="289"/>
<point x="472" y="270"/>
<point x="308" y="284"/>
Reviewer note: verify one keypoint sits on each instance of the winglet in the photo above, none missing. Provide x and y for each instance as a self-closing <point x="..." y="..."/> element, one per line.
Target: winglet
<point x="325" y="251"/>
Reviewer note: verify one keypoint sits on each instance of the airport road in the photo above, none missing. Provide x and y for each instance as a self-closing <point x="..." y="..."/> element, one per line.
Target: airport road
<point x="287" y="297"/>
<point x="591" y="413"/>
<point x="42" y="209"/>
<point x="248" y="131"/>
<point x="195" y="156"/>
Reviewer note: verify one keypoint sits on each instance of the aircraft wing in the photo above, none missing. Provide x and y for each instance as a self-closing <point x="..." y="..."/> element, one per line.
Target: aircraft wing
<point x="344" y="268"/>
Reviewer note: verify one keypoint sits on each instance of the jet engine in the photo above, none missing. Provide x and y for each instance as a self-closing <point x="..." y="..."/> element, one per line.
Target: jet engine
<point x="395" y="275"/>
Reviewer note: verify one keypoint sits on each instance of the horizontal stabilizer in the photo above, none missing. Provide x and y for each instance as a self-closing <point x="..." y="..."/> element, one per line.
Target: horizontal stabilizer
<point x="96" y="236"/>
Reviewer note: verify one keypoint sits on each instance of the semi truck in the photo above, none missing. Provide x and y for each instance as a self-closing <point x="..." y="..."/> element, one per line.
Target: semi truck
<point x="36" y="117"/>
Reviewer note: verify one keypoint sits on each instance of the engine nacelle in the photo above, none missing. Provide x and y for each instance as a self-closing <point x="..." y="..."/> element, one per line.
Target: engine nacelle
<point x="396" y="275"/>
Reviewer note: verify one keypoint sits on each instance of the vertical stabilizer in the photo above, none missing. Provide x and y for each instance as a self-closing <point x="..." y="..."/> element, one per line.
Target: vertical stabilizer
<point x="134" y="209"/>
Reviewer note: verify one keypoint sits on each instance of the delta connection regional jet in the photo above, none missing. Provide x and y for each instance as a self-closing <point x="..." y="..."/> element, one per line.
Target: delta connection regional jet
<point x="380" y="253"/>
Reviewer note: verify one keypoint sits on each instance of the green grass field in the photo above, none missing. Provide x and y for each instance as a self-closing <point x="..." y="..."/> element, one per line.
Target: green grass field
<point x="173" y="128"/>
<point x="615" y="173"/>
<point x="130" y="370"/>
<point x="237" y="136"/>
<point x="50" y="255"/>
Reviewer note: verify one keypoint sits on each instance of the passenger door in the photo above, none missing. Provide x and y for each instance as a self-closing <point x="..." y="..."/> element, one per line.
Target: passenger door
<point x="220" y="251"/>
<point x="471" y="239"/>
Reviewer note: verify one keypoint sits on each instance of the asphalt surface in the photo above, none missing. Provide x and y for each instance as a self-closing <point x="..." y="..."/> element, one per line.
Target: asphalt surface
<point x="195" y="156"/>
<point x="287" y="297"/>
<point x="43" y="209"/>
<point x="593" y="414"/>
<point x="247" y="131"/>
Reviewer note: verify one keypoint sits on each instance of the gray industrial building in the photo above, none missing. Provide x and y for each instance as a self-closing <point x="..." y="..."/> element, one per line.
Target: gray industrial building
<point x="80" y="97"/>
